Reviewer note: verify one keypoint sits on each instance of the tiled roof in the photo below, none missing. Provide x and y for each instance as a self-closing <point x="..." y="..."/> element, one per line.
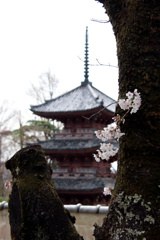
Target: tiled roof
<point x="71" y="144"/>
<point x="82" y="98"/>
<point x="83" y="184"/>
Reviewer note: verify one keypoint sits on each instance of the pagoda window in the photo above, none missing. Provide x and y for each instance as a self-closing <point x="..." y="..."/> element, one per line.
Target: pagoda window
<point x="66" y="160"/>
<point x="66" y="130"/>
<point x="74" y="200"/>
<point x="77" y="120"/>
<point x="76" y="160"/>
<point x="68" y="123"/>
<point x="108" y="170"/>
<point x="86" y="201"/>
<point x="87" y="159"/>
<point x="74" y="130"/>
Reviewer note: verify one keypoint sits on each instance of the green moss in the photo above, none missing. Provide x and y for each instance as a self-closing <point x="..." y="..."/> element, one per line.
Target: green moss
<point x="40" y="214"/>
<point x="136" y="26"/>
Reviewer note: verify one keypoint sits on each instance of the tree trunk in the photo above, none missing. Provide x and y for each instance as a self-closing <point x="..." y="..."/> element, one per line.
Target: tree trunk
<point x="134" y="212"/>
<point x="36" y="212"/>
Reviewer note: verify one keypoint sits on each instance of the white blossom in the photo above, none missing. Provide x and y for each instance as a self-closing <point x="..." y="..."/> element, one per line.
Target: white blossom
<point x="105" y="152"/>
<point x="107" y="191"/>
<point x="132" y="102"/>
<point x="109" y="133"/>
<point x="118" y="134"/>
<point x="96" y="158"/>
<point x="129" y="95"/>
<point x="8" y="184"/>
<point x="124" y="104"/>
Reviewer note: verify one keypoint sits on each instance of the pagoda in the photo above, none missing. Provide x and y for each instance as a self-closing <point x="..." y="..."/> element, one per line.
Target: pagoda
<point x="83" y="110"/>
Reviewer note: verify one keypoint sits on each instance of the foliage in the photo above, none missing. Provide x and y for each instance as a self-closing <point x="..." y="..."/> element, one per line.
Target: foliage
<point x="44" y="126"/>
<point x="36" y="129"/>
<point x="45" y="88"/>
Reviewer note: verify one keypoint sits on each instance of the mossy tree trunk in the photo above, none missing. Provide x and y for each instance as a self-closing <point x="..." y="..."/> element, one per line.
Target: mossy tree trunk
<point x="36" y="212"/>
<point x="134" y="212"/>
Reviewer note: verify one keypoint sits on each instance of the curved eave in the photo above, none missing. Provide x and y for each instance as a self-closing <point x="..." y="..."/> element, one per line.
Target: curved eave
<point x="79" y="151"/>
<point x="70" y="151"/>
<point x="82" y="184"/>
<point x="81" y="192"/>
<point x="55" y="115"/>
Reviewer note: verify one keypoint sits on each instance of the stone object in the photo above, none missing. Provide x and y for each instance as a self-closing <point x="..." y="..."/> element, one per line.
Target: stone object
<point x="35" y="209"/>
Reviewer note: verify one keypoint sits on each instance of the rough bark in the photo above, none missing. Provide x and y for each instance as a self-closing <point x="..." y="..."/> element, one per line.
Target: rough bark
<point x="134" y="212"/>
<point x="36" y="212"/>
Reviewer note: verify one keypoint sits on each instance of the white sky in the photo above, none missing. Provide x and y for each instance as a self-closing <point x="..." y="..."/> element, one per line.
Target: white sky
<point x="38" y="35"/>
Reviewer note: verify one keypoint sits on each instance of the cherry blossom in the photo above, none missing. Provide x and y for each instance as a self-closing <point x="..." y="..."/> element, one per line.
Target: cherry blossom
<point x="124" y="103"/>
<point x="112" y="131"/>
<point x="105" y="152"/>
<point x="96" y="157"/>
<point x="8" y="184"/>
<point x="107" y="191"/>
<point x="132" y="103"/>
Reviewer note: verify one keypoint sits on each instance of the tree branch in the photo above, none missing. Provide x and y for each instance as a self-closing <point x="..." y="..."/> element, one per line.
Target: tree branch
<point x="99" y="64"/>
<point x="99" y="111"/>
<point x="100" y="21"/>
<point x="113" y="8"/>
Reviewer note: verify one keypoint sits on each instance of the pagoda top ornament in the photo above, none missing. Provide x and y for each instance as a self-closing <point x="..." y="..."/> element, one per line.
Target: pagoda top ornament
<point x="86" y="61"/>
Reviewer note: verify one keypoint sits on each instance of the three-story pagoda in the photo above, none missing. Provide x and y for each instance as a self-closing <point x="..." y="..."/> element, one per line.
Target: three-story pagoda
<point x="83" y="110"/>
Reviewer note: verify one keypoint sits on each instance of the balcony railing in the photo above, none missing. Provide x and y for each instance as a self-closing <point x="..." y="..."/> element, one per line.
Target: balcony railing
<point x="76" y="133"/>
<point x="82" y="171"/>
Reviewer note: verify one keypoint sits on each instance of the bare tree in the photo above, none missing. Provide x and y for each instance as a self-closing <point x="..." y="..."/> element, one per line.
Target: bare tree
<point x="45" y="88"/>
<point x="6" y="115"/>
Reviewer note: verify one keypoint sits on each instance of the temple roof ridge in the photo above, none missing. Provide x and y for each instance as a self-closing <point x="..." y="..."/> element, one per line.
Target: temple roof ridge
<point x="82" y="98"/>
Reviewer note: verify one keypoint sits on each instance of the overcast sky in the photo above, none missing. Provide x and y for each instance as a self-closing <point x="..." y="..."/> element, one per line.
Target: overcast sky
<point x="38" y="35"/>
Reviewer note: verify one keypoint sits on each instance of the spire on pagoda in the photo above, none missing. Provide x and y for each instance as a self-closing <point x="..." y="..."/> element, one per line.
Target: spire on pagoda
<point x="86" y="61"/>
